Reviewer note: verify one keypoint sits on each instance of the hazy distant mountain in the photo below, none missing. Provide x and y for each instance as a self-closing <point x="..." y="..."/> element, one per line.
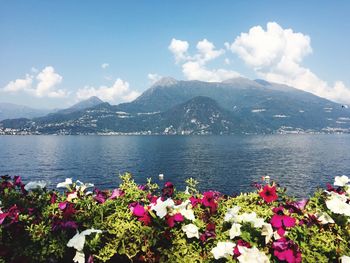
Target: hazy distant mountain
<point x="12" y="111"/>
<point x="194" y="107"/>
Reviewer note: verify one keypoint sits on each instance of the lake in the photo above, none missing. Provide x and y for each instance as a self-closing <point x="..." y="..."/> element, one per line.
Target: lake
<point x="225" y="163"/>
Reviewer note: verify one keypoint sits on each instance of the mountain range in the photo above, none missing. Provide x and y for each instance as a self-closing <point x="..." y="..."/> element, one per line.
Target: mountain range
<point x="235" y="106"/>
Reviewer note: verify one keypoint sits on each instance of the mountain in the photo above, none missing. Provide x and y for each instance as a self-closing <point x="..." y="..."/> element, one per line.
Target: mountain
<point x="12" y="111"/>
<point x="85" y="104"/>
<point x="235" y="106"/>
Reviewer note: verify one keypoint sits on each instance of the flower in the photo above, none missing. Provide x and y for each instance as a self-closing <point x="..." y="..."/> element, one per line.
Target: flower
<point x="209" y="232"/>
<point x="35" y="185"/>
<point x="161" y="206"/>
<point x="240" y="243"/>
<point x="78" y="242"/>
<point x="168" y="190"/>
<point x="191" y="231"/>
<point x="140" y="212"/>
<point x="297" y="207"/>
<point x="251" y="218"/>
<point x="344" y="259"/>
<point x="250" y="255"/>
<point x="223" y="249"/>
<point x="209" y="200"/>
<point x="337" y="204"/>
<point x="268" y="193"/>
<point x="81" y="187"/>
<point x="279" y="219"/>
<point x="235" y="230"/>
<point x="324" y="218"/>
<point x="286" y="250"/>
<point x="231" y="213"/>
<point x="171" y="220"/>
<point x="116" y="194"/>
<point x="341" y="180"/>
<point x="65" y="184"/>
<point x="267" y="231"/>
<point x="185" y="210"/>
<point x="72" y="196"/>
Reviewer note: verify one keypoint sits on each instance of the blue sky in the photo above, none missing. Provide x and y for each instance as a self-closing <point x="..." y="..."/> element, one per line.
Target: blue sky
<point x="56" y="48"/>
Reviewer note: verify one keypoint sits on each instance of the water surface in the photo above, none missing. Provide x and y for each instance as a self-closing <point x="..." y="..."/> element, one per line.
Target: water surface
<point x="225" y="163"/>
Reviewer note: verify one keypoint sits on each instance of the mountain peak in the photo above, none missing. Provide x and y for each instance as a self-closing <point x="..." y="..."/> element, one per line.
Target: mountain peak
<point x="165" y="81"/>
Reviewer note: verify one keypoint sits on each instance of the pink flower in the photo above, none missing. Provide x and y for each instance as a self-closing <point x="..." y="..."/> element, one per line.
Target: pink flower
<point x="194" y="201"/>
<point x="62" y="205"/>
<point x="171" y="220"/>
<point x="286" y="250"/>
<point x="241" y="243"/>
<point x="279" y="219"/>
<point x="140" y="212"/>
<point x="168" y="190"/>
<point x="209" y="232"/>
<point x="297" y="207"/>
<point x="209" y="200"/>
<point x="116" y="194"/>
<point x="100" y="196"/>
<point x="268" y="193"/>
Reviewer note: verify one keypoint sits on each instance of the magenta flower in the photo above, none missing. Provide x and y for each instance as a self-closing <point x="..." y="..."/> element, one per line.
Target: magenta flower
<point x="240" y="243"/>
<point x="286" y="250"/>
<point x="152" y="198"/>
<point x="209" y="232"/>
<point x="279" y="219"/>
<point x="3" y="217"/>
<point x="209" y="200"/>
<point x="171" y="220"/>
<point x="140" y="212"/>
<point x="297" y="207"/>
<point x="168" y="190"/>
<point x="53" y="198"/>
<point x="100" y="196"/>
<point x="62" y="205"/>
<point x="194" y="201"/>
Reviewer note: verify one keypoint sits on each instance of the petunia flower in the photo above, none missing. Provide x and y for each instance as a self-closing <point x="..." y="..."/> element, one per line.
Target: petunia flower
<point x="341" y="180"/>
<point x="250" y="255"/>
<point x="286" y="250"/>
<point x="168" y="190"/>
<point x="324" y="218"/>
<point x="223" y="249"/>
<point x="235" y="230"/>
<point x="209" y="200"/>
<point x="35" y="185"/>
<point x="267" y="231"/>
<point x="72" y="196"/>
<point x="209" y="232"/>
<point x="251" y="218"/>
<point x="78" y="242"/>
<point x="231" y="214"/>
<point x="161" y="207"/>
<point x="338" y="204"/>
<point x="66" y="184"/>
<point x="116" y="194"/>
<point x="344" y="259"/>
<point x="81" y="187"/>
<point x="185" y="209"/>
<point x="171" y="220"/>
<point x="268" y="193"/>
<point x="191" y="231"/>
<point x="279" y="219"/>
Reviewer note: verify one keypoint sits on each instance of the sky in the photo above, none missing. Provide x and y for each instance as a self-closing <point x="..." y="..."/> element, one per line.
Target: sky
<point x="56" y="53"/>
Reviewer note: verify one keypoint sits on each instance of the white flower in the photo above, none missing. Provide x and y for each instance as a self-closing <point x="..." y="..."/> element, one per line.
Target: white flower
<point x="78" y="242"/>
<point x="251" y="255"/>
<point x="187" y="191"/>
<point x="324" y="218"/>
<point x="337" y="204"/>
<point x="235" y="230"/>
<point x="231" y="213"/>
<point x="344" y="259"/>
<point x="79" y="257"/>
<point x="72" y="196"/>
<point x="82" y="187"/>
<point x="65" y="184"/>
<point x="267" y="231"/>
<point x="185" y="210"/>
<point x="251" y="218"/>
<point x="223" y="249"/>
<point x="35" y="185"/>
<point x="161" y="207"/>
<point x="191" y="230"/>
<point x="341" y="180"/>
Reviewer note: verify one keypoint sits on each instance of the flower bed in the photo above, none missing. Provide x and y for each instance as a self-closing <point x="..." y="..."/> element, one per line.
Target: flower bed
<point x="140" y="223"/>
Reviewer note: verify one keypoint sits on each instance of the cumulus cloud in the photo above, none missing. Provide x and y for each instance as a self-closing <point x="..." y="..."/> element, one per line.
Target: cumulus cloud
<point x="153" y="78"/>
<point x="195" y="67"/>
<point x="276" y="54"/>
<point x="119" y="92"/>
<point x="105" y="65"/>
<point x="43" y="85"/>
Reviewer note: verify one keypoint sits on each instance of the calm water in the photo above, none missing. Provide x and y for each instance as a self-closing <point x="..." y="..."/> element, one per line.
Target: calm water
<point x="227" y="163"/>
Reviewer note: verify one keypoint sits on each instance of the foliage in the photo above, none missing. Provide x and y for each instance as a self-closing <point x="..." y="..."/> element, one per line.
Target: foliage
<point x="142" y="223"/>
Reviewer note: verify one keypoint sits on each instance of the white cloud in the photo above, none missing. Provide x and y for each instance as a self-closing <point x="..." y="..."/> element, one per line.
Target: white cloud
<point x="19" y="84"/>
<point x="276" y="55"/>
<point x="46" y="82"/>
<point x="118" y="92"/>
<point x="179" y="49"/>
<point x="153" y="78"/>
<point x="105" y="65"/>
<point x="195" y="67"/>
